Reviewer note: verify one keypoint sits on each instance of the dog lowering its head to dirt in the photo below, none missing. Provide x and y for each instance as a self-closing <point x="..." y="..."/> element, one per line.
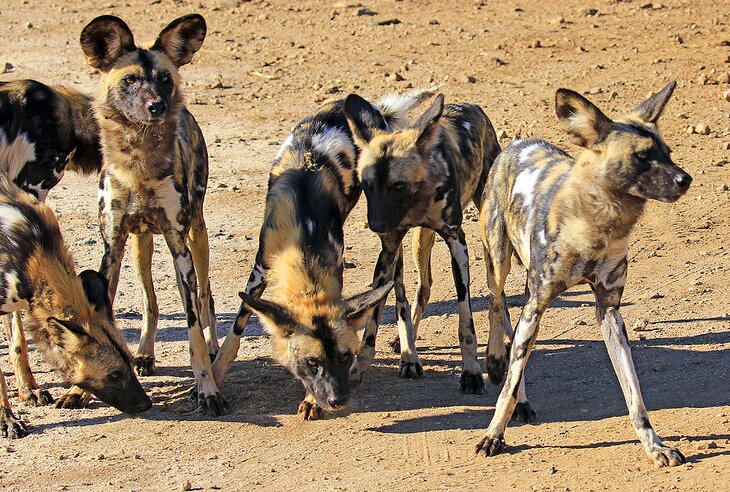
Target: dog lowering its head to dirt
<point x="568" y="221"/>
<point x="69" y="316"/>
<point x="313" y="186"/>
<point x="422" y="176"/>
<point x="154" y="178"/>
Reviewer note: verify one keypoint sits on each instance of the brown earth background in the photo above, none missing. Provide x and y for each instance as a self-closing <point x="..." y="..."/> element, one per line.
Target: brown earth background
<point x="263" y="66"/>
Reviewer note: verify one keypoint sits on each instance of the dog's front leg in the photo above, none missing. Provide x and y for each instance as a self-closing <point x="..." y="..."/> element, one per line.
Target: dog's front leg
<point x="384" y="272"/>
<point x="229" y="350"/>
<point x="410" y="365"/>
<point x="208" y="395"/>
<point x="617" y="343"/>
<point x="472" y="380"/>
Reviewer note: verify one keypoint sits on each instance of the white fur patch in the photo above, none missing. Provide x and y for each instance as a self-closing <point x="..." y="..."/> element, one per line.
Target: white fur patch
<point x="332" y="142"/>
<point x="287" y="143"/>
<point x="525" y="184"/>
<point x="525" y="153"/>
<point x="9" y="218"/>
<point x="14" y="155"/>
<point x="467" y="127"/>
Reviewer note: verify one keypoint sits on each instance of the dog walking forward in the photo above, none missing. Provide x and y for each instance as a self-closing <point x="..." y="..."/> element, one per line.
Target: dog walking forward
<point x="568" y="221"/>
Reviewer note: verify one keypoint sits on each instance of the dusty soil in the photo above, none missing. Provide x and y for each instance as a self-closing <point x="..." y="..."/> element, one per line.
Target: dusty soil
<point x="263" y="67"/>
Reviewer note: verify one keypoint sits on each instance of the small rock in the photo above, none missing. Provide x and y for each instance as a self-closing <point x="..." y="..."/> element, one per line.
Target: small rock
<point x="217" y="140"/>
<point x="361" y="225"/>
<point x="185" y="486"/>
<point x="364" y="11"/>
<point x="703" y="129"/>
<point x="29" y="25"/>
<point x="723" y="78"/>
<point x="502" y="134"/>
<point x="587" y="11"/>
<point x="386" y="22"/>
<point x="90" y="242"/>
<point x="470" y="79"/>
<point x="652" y="295"/>
<point x="595" y="90"/>
<point x="658" y="366"/>
<point x="558" y="20"/>
<point x="222" y="185"/>
<point x="8" y="67"/>
<point x="725" y="96"/>
<point x="333" y="90"/>
<point x="708" y="445"/>
<point x="640" y="325"/>
<point x="395" y="76"/>
<point x="535" y="44"/>
<point x="433" y="22"/>
<point x="498" y="61"/>
<point x="579" y="322"/>
<point x="552" y="470"/>
<point x="702" y="79"/>
<point x="613" y="95"/>
<point x="100" y="456"/>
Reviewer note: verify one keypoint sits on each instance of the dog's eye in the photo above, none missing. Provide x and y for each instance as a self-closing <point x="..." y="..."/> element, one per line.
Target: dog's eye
<point x="642" y="156"/>
<point x="115" y="375"/>
<point x="399" y="186"/>
<point x="165" y="78"/>
<point x="642" y="161"/>
<point x="130" y="79"/>
<point x="313" y="363"/>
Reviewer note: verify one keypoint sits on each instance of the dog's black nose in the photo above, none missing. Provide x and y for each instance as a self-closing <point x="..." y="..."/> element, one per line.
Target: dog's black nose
<point x="683" y="180"/>
<point x="156" y="108"/>
<point x="338" y="401"/>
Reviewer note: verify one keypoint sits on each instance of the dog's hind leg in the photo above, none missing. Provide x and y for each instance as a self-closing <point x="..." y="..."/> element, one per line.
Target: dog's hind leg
<point x="617" y="343"/>
<point x="142" y="247"/>
<point x="410" y="365"/>
<point x="198" y="239"/>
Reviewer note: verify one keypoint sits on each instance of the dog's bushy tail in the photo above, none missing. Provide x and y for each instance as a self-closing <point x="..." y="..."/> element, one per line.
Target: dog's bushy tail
<point x="396" y="107"/>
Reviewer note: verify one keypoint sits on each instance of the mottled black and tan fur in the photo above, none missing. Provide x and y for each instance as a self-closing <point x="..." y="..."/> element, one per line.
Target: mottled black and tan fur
<point x="568" y="222"/>
<point x="69" y="316"/>
<point x="313" y="186"/>
<point x="154" y="178"/>
<point x="44" y="130"/>
<point x="422" y="177"/>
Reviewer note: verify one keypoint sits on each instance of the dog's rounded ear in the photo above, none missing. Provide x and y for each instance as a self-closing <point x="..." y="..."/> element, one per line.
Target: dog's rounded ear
<point x="584" y="122"/>
<point x="363" y="118"/>
<point x="182" y="38"/>
<point x="428" y="124"/>
<point x="104" y="40"/>
<point x="96" y="290"/>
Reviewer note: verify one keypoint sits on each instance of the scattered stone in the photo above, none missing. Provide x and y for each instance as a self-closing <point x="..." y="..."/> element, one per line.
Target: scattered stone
<point x="222" y="185"/>
<point x="640" y="325"/>
<point x="90" y="242"/>
<point x="29" y="25"/>
<point x="595" y="90"/>
<point x="361" y="225"/>
<point x="658" y="366"/>
<point x="613" y="95"/>
<point x="558" y="20"/>
<point x="185" y="486"/>
<point x="433" y="22"/>
<point x="678" y="38"/>
<point x="217" y="140"/>
<point x="502" y="134"/>
<point x="535" y="44"/>
<point x="707" y="445"/>
<point x="499" y="61"/>
<point x="395" y="76"/>
<point x="364" y="11"/>
<point x="552" y="470"/>
<point x="8" y="67"/>
<point x="702" y="79"/>
<point x="703" y="129"/>
<point x="652" y="295"/>
<point x="691" y="129"/>
<point x="587" y="11"/>
<point x="470" y="79"/>
<point x="725" y="96"/>
<point x="723" y="78"/>
<point x="100" y="456"/>
<point x="333" y="90"/>
<point x="579" y="322"/>
<point x="385" y="22"/>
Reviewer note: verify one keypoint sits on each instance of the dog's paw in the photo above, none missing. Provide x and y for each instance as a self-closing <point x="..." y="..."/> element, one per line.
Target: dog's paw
<point x="666" y="456"/>
<point x="471" y="383"/>
<point x="410" y="370"/>
<point x="75" y="398"/>
<point x="309" y="410"/>
<point x="496" y="368"/>
<point x="213" y="405"/>
<point x="395" y="345"/>
<point x="35" y="397"/>
<point x="490" y="446"/>
<point x="144" y="365"/>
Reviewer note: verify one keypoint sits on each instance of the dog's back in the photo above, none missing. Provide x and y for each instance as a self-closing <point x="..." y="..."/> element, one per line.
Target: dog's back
<point x="43" y="131"/>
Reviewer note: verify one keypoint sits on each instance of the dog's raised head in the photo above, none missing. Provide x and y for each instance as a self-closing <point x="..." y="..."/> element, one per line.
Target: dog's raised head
<point x="628" y="153"/>
<point x="142" y="84"/>
<point x="395" y="167"/>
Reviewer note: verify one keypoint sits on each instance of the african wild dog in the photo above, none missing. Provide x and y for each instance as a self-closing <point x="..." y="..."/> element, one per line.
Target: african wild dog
<point x="69" y="316"/>
<point x="313" y="186"/>
<point x="423" y="177"/>
<point x="154" y="178"/>
<point x="43" y="131"/>
<point x="568" y="221"/>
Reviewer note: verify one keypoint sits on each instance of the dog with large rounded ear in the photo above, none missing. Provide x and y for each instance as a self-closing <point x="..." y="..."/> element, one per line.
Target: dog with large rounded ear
<point x="97" y="291"/>
<point x="360" y="307"/>
<point x="104" y="40"/>
<point x="651" y="109"/>
<point x="581" y="119"/>
<point x="364" y="119"/>
<point x="182" y="38"/>
<point x="428" y="123"/>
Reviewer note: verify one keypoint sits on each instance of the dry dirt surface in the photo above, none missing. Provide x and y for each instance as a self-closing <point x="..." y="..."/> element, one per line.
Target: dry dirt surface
<point x="263" y="66"/>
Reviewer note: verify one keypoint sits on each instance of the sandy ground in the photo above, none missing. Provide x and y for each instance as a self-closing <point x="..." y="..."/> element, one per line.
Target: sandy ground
<point x="263" y="67"/>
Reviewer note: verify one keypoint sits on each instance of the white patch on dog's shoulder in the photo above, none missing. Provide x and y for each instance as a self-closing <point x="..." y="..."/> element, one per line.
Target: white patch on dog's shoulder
<point x="525" y="184"/>
<point x="467" y="127"/>
<point x="287" y="143"/>
<point x="14" y="155"/>
<point x="525" y="153"/>
<point x="332" y="142"/>
<point x="10" y="217"/>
